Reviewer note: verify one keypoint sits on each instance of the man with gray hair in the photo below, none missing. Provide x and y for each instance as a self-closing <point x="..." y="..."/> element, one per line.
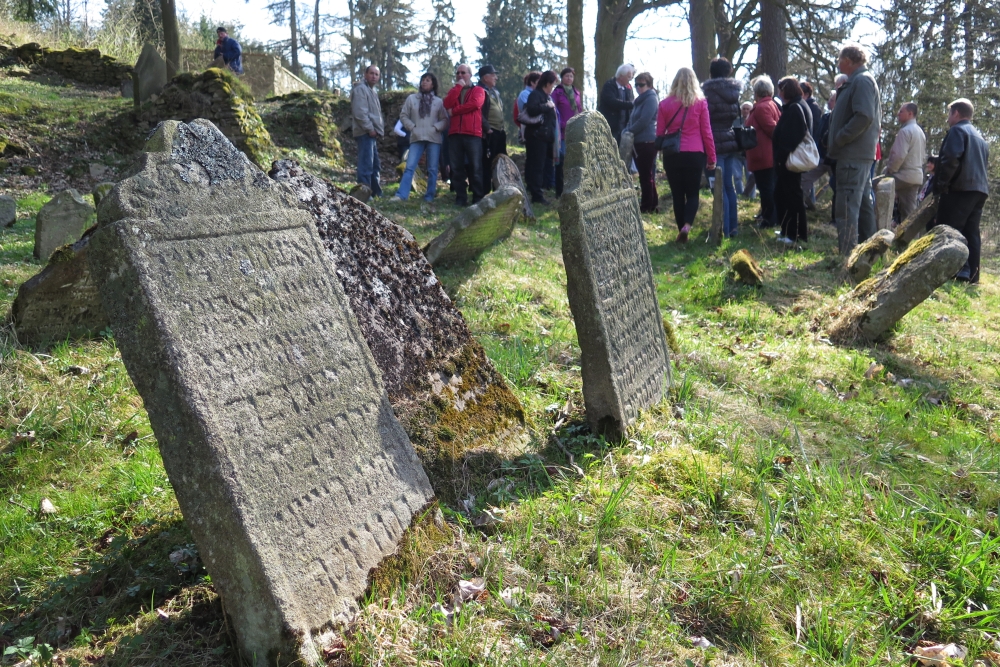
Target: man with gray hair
<point x="906" y="159"/>
<point x="366" y="114"/>
<point x="616" y="100"/>
<point x="853" y="138"/>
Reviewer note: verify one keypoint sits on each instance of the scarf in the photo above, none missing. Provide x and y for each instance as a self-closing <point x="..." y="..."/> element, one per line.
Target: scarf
<point x="571" y="95"/>
<point x="426" y="99"/>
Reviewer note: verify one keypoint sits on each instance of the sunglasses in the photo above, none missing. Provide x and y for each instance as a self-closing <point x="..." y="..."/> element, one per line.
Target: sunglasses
<point x="640" y="85"/>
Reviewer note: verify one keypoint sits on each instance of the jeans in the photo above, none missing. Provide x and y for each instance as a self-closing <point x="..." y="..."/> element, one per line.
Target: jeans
<point x="417" y="149"/>
<point x="729" y="163"/>
<point x="765" y="186"/>
<point x="963" y="211"/>
<point x="368" y="164"/>
<point x="466" y="148"/>
<point x="853" y="206"/>
<point x="684" y="172"/>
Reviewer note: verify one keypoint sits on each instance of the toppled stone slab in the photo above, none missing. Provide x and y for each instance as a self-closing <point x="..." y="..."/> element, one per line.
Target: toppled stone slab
<point x="916" y="223"/>
<point x="864" y="255"/>
<point x="746" y="268"/>
<point x="292" y="472"/>
<point x="477" y="228"/>
<point x="506" y="173"/>
<point x="8" y="211"/>
<point x="884" y="191"/>
<point x="443" y="388"/>
<point x="101" y="191"/>
<point x="361" y="192"/>
<point x="61" y="302"/>
<point x="609" y="279"/>
<point x="874" y="306"/>
<point x="62" y="220"/>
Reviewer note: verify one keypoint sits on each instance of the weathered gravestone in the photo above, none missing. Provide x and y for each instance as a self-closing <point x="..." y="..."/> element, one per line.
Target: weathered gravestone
<point x="274" y="426"/>
<point x="149" y="75"/>
<point x="62" y="220"/>
<point x="625" y="147"/>
<point x="864" y="255"/>
<point x="8" y="211"/>
<point x="61" y="302"/>
<point x="874" y="306"/>
<point x="506" y="173"/>
<point x="916" y="223"/>
<point x="609" y="278"/>
<point x="443" y="388"/>
<point x="477" y="228"/>
<point x="884" y="192"/>
<point x="101" y="191"/>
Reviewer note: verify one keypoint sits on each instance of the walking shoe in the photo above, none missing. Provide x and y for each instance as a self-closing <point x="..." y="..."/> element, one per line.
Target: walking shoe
<point x="786" y="240"/>
<point x="682" y="236"/>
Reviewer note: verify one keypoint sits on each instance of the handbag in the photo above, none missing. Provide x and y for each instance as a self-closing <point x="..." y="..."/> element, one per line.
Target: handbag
<point x="806" y="155"/>
<point x="746" y="137"/>
<point x="526" y="118"/>
<point x="670" y="143"/>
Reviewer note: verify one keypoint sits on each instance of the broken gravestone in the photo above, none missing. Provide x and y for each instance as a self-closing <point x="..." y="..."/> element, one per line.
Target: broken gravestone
<point x="443" y="388"/>
<point x="361" y="192"/>
<point x="916" y="223"/>
<point x="505" y="173"/>
<point x="609" y="278"/>
<point x="746" y="268"/>
<point x="101" y="191"/>
<point x="884" y="192"/>
<point x="477" y="228"/>
<point x="61" y="302"/>
<point x="864" y="255"/>
<point x="149" y="75"/>
<point x="291" y="470"/>
<point x="874" y="306"/>
<point x="8" y="211"/>
<point x="62" y="220"/>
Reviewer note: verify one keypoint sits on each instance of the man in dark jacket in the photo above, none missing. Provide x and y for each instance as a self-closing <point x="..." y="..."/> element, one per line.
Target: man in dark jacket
<point x="722" y="92"/>
<point x="230" y="50"/>
<point x="961" y="180"/>
<point x="615" y="102"/>
<point x="808" y="181"/>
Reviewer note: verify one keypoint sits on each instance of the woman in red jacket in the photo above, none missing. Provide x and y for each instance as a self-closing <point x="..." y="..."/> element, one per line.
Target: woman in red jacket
<point x="760" y="159"/>
<point x="686" y="110"/>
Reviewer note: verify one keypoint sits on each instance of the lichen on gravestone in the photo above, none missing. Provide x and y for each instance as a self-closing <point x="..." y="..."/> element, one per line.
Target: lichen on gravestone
<point x="865" y="254"/>
<point x="477" y="228"/>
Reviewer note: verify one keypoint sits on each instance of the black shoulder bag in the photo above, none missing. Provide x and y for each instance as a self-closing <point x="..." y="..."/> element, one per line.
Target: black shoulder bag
<point x="670" y="143"/>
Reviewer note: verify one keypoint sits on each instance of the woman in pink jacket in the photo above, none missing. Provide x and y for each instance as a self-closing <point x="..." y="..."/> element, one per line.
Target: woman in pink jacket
<point x="685" y="109"/>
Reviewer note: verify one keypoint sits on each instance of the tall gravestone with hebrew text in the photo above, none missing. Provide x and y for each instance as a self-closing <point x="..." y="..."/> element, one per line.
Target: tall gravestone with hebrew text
<point x="275" y="428"/>
<point x="609" y="277"/>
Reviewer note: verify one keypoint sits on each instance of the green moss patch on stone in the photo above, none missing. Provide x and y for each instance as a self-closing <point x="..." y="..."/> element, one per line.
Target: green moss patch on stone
<point x="914" y="249"/>
<point x="304" y="119"/>
<point x="746" y="267"/>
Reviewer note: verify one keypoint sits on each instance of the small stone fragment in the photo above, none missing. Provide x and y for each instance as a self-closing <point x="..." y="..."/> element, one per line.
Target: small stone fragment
<point x="864" y="255"/>
<point x="746" y="268"/>
<point x="884" y="191"/>
<point x="62" y="220"/>
<point x="101" y="191"/>
<point x="8" y="211"/>
<point x="505" y="173"/>
<point x="361" y="192"/>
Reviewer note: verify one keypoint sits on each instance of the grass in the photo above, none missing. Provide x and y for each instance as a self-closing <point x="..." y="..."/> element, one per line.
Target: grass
<point x="795" y="503"/>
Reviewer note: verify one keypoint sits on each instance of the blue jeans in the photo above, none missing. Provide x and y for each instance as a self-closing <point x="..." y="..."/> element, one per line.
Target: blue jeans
<point x="417" y="149"/>
<point x="729" y="163"/>
<point x="368" y="164"/>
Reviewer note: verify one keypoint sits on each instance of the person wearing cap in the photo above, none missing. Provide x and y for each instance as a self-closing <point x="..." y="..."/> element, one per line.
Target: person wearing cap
<point x="465" y="135"/>
<point x="494" y="134"/>
<point x="230" y="50"/>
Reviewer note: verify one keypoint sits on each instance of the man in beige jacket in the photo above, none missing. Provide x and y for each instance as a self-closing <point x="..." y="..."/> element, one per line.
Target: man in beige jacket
<point x="906" y="159"/>
<point x="366" y="112"/>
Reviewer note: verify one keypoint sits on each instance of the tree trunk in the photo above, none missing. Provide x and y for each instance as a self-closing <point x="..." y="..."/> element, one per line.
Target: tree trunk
<point x="772" y="59"/>
<point x="171" y="37"/>
<point x="701" y="18"/>
<point x="316" y="45"/>
<point x="352" y="59"/>
<point x="613" y="19"/>
<point x="970" y="47"/>
<point x="296" y="70"/>
<point x="574" y="40"/>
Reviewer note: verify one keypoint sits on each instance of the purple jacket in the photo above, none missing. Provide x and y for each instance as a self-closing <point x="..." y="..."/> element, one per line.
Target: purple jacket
<point x="565" y="107"/>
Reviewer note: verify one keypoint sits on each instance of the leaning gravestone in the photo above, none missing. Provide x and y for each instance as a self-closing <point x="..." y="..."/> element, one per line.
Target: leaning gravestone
<point x="609" y="278"/>
<point x="61" y="302"/>
<point x="443" y="388"/>
<point x="874" y="306"/>
<point x="864" y="255"/>
<point x="884" y="191"/>
<point x="62" y="220"/>
<point x="916" y="223"/>
<point x="149" y="75"/>
<point x="8" y="211"/>
<point x="273" y="423"/>
<point x="505" y="173"/>
<point x="477" y="228"/>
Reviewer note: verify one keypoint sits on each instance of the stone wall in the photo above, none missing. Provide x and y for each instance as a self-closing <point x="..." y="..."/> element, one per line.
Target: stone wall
<point x="216" y="95"/>
<point x="83" y="65"/>
<point x="392" y="104"/>
<point x="261" y="71"/>
<point x="304" y="120"/>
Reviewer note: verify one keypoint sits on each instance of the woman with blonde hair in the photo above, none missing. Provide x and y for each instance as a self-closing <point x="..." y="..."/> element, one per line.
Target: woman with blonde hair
<point x="685" y="111"/>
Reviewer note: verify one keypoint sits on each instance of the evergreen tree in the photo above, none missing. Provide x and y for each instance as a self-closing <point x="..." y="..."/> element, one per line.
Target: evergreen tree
<point x="385" y="27"/>
<point x="442" y="44"/>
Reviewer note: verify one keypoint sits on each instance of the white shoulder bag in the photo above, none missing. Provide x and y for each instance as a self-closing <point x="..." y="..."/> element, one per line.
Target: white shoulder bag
<point x="805" y="156"/>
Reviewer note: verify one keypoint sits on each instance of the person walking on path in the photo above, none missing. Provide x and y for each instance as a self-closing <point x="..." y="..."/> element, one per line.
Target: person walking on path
<point x="465" y="135"/>
<point x="722" y="92"/>
<point x="229" y="49"/>
<point x="615" y="101"/>
<point x="760" y="159"/>
<point x="569" y="102"/>
<point x="686" y="111"/>
<point x="961" y="179"/>
<point x="366" y="112"/>
<point x="539" y="138"/>
<point x="494" y="132"/>
<point x="853" y="142"/>
<point x="906" y="159"/>
<point x="642" y="125"/>
<point x="424" y="117"/>
<point x="792" y="128"/>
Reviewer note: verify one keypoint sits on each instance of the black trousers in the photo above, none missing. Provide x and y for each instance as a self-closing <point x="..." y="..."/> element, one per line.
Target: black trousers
<point x="684" y="172"/>
<point x="534" y="165"/>
<point x="963" y="211"/>
<point x="789" y="205"/>
<point x="645" y="162"/>
<point x="494" y="144"/>
<point x="765" y="187"/>
<point x="466" y="148"/>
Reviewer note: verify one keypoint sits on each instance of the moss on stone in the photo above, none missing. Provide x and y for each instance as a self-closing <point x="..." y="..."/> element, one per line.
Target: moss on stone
<point x="426" y="534"/>
<point x="915" y="248"/>
<point x="672" y="343"/>
<point x="746" y="267"/>
<point x="304" y="119"/>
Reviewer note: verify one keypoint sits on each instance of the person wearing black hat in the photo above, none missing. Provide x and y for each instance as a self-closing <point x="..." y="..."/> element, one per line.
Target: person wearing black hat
<point x="494" y="134"/>
<point x="230" y="50"/>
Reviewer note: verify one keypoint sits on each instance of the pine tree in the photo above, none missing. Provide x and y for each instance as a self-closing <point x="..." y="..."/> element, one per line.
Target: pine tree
<point x="385" y="27"/>
<point x="442" y="44"/>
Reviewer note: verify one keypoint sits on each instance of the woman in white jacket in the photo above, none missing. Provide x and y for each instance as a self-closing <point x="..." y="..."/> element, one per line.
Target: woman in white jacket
<point x="424" y="117"/>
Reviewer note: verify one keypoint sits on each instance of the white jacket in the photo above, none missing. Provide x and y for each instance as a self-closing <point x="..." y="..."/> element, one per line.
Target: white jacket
<point x="430" y="128"/>
<point x="908" y="155"/>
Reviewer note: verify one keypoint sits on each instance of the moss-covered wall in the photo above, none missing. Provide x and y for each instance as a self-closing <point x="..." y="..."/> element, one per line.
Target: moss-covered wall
<point x="304" y="120"/>
<point x="83" y="65"/>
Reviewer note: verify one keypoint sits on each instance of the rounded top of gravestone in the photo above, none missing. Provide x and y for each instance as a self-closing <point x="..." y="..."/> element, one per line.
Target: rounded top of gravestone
<point x="592" y="160"/>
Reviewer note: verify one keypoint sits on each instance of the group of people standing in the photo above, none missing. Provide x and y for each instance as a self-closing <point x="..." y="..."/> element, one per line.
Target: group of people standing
<point x="696" y="128"/>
